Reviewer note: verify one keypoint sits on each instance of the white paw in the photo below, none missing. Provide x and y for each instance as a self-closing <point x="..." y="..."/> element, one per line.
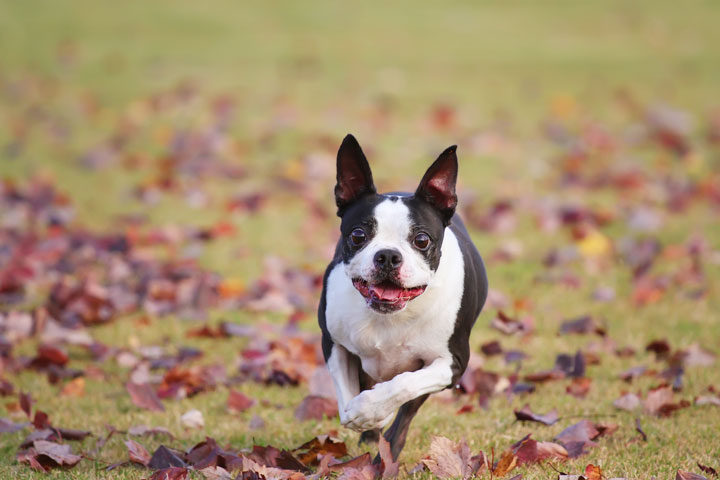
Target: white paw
<point x="367" y="412"/>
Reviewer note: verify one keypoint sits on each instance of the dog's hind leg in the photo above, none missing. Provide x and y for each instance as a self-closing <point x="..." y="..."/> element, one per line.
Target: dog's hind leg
<point x="397" y="433"/>
<point x="369" y="436"/>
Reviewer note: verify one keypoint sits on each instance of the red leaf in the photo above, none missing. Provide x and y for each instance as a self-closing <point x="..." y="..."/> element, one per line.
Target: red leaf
<point x="314" y="407"/>
<point x="239" y="402"/>
<point x="143" y="396"/>
<point x="593" y="472"/>
<point x="26" y="402"/>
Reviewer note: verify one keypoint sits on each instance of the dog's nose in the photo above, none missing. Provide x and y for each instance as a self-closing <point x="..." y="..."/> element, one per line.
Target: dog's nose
<point x="389" y="259"/>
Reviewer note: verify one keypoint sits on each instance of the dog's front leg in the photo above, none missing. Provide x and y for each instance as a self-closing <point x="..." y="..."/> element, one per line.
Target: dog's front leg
<point x="374" y="408"/>
<point x="344" y="370"/>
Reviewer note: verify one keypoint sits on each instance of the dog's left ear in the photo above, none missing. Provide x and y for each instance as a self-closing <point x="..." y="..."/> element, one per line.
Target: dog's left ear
<point x="437" y="186"/>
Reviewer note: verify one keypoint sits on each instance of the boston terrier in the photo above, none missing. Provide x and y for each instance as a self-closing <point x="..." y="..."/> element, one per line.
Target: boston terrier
<point x="400" y="296"/>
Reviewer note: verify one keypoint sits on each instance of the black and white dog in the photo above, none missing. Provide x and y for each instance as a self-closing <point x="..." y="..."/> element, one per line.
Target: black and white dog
<point x="400" y="297"/>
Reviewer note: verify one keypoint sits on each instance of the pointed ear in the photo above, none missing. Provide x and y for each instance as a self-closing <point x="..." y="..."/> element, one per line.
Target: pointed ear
<point x="354" y="178"/>
<point x="437" y="187"/>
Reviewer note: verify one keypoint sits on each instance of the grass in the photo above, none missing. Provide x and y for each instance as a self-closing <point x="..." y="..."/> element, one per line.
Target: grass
<point x="302" y="76"/>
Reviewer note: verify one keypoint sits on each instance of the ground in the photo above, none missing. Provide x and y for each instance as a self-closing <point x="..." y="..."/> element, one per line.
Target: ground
<point x="584" y="129"/>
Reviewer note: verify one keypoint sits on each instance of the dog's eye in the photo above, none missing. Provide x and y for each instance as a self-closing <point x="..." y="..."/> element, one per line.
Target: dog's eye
<point x="358" y="237"/>
<point x="422" y="241"/>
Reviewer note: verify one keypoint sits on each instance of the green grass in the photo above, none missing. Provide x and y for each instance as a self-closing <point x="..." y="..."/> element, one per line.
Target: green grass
<point x="303" y="75"/>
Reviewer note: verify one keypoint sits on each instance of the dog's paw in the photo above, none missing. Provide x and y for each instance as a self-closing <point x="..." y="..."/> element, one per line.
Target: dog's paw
<point x="365" y="412"/>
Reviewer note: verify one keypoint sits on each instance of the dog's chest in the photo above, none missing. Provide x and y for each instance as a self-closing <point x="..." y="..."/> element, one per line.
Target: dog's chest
<point x="406" y="341"/>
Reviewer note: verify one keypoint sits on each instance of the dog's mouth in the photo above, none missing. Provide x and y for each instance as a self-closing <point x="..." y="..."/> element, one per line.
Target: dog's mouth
<point x="387" y="296"/>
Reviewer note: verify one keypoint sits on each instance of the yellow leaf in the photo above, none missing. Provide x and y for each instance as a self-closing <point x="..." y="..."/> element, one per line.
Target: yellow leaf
<point x="594" y="244"/>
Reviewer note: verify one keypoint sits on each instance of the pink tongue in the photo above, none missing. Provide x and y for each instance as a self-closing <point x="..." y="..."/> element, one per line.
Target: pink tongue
<point x="386" y="293"/>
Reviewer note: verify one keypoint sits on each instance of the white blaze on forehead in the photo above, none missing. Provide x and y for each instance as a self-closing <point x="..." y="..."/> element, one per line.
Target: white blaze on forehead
<point x="393" y="224"/>
<point x="392" y="230"/>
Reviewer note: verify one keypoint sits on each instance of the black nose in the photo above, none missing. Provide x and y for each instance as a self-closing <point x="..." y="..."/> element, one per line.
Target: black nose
<point x="388" y="259"/>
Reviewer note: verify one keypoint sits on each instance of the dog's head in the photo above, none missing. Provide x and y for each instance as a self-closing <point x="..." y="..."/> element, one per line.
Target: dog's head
<point x="391" y="243"/>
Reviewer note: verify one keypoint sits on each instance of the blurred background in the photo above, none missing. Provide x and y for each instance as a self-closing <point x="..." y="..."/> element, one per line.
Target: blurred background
<point x="198" y="139"/>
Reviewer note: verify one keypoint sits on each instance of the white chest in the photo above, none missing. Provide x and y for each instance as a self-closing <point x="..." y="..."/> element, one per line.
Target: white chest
<point x="404" y="341"/>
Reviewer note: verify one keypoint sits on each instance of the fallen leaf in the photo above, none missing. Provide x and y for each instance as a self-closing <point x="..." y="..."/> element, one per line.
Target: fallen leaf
<point x="192" y="419"/>
<point x="49" y="455"/>
<point x="448" y="459"/>
<point x="579" y="387"/>
<point x="74" y="388"/>
<point x="685" y="475"/>
<point x="171" y="473"/>
<point x="708" y="400"/>
<point x="593" y="472"/>
<point x="507" y="462"/>
<point x="311" y="452"/>
<point x="137" y="453"/>
<point x="708" y="470"/>
<point x="239" y="402"/>
<point x="389" y="468"/>
<point x="8" y="426"/>
<point x="315" y="408"/>
<point x="582" y="325"/>
<point x="143" y="396"/>
<point x="526" y="414"/>
<point x="164" y="458"/>
<point x="144" y="430"/>
<point x="628" y="402"/>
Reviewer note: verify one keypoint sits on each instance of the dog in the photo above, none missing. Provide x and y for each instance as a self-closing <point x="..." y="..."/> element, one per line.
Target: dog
<point x="400" y="296"/>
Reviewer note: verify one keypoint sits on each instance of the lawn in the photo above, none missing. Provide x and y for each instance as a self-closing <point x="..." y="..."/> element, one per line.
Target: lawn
<point x="202" y="138"/>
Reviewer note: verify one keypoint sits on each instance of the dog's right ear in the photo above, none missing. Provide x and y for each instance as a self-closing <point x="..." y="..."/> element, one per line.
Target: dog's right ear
<point x="354" y="178"/>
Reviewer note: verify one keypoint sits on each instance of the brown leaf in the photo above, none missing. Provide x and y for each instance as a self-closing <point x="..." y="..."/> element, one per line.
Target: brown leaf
<point x="389" y="468"/>
<point x="579" y="387"/>
<point x="661" y="348"/>
<point x="708" y="470"/>
<point x="530" y="451"/>
<point x="628" y="402"/>
<point x="26" y="402"/>
<point x="51" y="454"/>
<point x="51" y="354"/>
<point x="137" y="453"/>
<point x="582" y="325"/>
<point x="144" y="430"/>
<point x="508" y="461"/>
<point x="314" y="407"/>
<point x="358" y="462"/>
<point x="491" y="348"/>
<point x="526" y="414"/>
<point x="685" y="475"/>
<point x="578" y="437"/>
<point x="448" y="459"/>
<point x="171" y="473"/>
<point x="74" y="388"/>
<point x="143" y="396"/>
<point x="508" y="325"/>
<point x="311" y="452"/>
<point x="239" y="402"/>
